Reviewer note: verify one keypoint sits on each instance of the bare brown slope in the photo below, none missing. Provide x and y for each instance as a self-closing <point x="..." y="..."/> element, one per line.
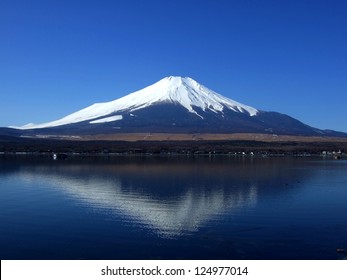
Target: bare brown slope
<point x="132" y="137"/>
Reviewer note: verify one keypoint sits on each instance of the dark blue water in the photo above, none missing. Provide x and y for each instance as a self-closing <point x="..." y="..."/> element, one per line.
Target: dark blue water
<point x="173" y="208"/>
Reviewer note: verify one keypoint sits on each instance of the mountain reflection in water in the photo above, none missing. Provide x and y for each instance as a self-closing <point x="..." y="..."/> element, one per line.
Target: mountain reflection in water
<point x="169" y="197"/>
<point x="172" y="208"/>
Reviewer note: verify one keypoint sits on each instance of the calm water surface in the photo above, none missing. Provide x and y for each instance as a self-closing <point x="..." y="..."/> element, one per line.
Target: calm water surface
<point x="173" y="208"/>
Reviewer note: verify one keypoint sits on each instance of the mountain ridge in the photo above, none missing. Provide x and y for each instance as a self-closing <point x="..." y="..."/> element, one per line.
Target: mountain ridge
<point x="174" y="104"/>
<point x="173" y="89"/>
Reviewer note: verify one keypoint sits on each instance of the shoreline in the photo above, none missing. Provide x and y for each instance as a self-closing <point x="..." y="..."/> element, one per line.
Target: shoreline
<point x="235" y="145"/>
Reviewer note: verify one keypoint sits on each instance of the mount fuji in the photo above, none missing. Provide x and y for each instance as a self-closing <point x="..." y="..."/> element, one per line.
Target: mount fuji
<point x="173" y="105"/>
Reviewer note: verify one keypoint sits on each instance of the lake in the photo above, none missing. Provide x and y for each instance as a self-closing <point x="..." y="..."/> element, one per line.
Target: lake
<point x="173" y="208"/>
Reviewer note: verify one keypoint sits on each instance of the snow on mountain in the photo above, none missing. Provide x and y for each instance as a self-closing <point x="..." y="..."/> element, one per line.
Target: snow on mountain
<point x="177" y="90"/>
<point x="109" y="119"/>
<point x="183" y="91"/>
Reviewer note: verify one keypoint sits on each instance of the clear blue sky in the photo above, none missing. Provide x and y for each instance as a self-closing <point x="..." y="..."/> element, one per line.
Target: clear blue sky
<point x="58" y="56"/>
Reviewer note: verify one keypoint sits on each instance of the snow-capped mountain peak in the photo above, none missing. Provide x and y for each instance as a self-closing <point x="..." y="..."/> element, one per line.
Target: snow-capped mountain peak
<point x="183" y="91"/>
<point x="171" y="105"/>
<point x="186" y="92"/>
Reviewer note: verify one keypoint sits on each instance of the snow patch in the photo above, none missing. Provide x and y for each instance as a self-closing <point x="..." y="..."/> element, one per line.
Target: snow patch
<point x="109" y="119"/>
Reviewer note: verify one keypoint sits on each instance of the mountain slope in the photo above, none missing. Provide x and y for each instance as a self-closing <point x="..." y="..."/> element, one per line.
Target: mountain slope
<point x="173" y="105"/>
<point x="174" y="90"/>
